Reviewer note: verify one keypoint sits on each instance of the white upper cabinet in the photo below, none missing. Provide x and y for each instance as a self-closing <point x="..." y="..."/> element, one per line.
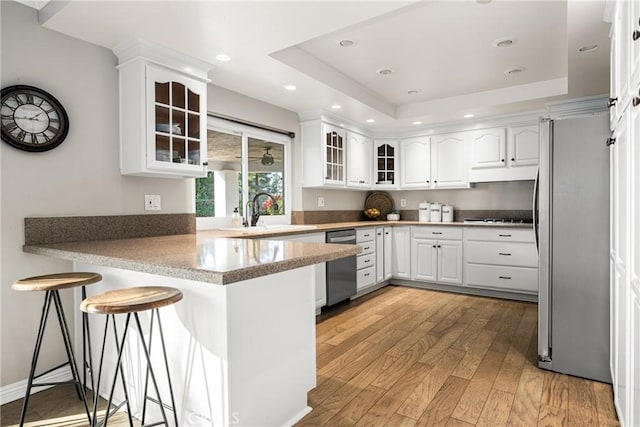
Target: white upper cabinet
<point x="449" y="166"/>
<point x="359" y="152"/>
<point x="519" y="161"/>
<point x="416" y="163"/>
<point x="385" y="163"/>
<point x="324" y="154"/>
<point x="163" y="128"/>
<point x="524" y="145"/>
<point x="489" y="148"/>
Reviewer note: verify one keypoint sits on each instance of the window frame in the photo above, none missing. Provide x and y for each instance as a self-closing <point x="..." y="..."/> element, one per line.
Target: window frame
<point x="246" y="132"/>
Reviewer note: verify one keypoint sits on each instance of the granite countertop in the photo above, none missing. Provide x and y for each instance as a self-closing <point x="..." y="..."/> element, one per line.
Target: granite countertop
<point x="204" y="257"/>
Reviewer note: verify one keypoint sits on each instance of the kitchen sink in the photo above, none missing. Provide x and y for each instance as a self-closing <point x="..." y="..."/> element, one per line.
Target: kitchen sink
<point x="272" y="227"/>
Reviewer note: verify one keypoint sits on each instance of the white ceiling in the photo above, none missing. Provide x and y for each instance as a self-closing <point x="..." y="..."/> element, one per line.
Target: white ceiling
<point x="442" y="48"/>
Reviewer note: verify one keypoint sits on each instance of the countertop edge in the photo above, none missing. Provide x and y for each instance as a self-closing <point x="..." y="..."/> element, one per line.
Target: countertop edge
<point x="198" y="275"/>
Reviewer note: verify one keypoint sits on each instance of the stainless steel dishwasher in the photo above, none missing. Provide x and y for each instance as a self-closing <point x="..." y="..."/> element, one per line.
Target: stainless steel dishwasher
<point x="341" y="273"/>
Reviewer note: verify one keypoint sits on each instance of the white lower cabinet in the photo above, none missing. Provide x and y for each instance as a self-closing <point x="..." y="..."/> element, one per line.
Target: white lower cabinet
<point x="436" y="260"/>
<point x="366" y="261"/>
<point x="388" y="253"/>
<point x="501" y="258"/>
<point x="401" y="262"/>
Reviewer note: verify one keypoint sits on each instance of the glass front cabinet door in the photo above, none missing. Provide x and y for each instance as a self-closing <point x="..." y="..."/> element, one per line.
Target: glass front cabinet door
<point x="176" y="127"/>
<point x="163" y="119"/>
<point x="385" y="155"/>
<point x="334" y="147"/>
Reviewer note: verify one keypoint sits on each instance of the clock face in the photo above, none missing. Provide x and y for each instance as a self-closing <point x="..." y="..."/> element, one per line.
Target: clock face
<point x="32" y="119"/>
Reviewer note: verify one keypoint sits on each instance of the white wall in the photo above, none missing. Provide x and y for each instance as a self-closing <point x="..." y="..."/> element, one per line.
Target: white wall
<point x="80" y="177"/>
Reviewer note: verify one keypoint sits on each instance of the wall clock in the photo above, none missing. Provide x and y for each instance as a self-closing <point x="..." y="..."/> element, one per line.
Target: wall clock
<point x="32" y="119"/>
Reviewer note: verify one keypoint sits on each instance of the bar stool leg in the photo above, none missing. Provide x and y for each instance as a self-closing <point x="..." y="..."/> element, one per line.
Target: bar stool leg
<point x="36" y="353"/>
<point x="72" y="360"/>
<point x="115" y="375"/>
<point x="94" y="422"/>
<point x="121" y="369"/>
<point x="166" y="365"/>
<point x="86" y="348"/>
<point x="150" y="369"/>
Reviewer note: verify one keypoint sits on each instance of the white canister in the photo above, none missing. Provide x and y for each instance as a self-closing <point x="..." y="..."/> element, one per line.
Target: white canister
<point x="436" y="212"/>
<point x="447" y="213"/>
<point x="423" y="212"/>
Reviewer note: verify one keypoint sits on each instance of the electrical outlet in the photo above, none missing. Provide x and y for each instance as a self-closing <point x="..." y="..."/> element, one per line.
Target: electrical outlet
<point x="321" y="202"/>
<point x="403" y="203"/>
<point x="152" y="202"/>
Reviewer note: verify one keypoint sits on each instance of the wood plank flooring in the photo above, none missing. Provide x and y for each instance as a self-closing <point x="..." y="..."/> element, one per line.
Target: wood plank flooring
<point x="411" y="357"/>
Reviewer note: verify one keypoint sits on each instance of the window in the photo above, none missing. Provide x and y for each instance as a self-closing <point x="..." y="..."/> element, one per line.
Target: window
<point x="248" y="170"/>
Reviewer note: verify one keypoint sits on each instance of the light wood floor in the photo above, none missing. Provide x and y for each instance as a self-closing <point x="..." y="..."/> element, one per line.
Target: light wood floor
<point x="410" y="357"/>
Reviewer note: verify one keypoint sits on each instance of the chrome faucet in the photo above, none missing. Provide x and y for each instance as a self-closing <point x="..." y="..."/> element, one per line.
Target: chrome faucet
<point x="255" y="210"/>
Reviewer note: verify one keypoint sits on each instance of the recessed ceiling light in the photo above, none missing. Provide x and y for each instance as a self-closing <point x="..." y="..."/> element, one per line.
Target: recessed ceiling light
<point x="384" y="71"/>
<point x="514" y="70"/>
<point x="588" y="48"/>
<point x="413" y="91"/>
<point x="468" y="116"/>
<point x="223" y="57"/>
<point x="289" y="87"/>
<point x="347" y="43"/>
<point x="417" y="122"/>
<point x="483" y="1"/>
<point x="370" y="120"/>
<point x="336" y="106"/>
<point x="503" y="42"/>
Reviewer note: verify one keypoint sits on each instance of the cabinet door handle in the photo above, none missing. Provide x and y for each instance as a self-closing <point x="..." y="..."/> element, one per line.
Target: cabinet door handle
<point x="434" y="246"/>
<point x="502" y="160"/>
<point x="366" y="248"/>
<point x="503" y="254"/>
<point x="612" y="102"/>
<point x="427" y="181"/>
<point x="504" y="235"/>
<point x="366" y="261"/>
<point x="435" y="180"/>
<point x="635" y="35"/>
<point x="513" y="159"/>
<point x="439" y="246"/>
<point x="205" y="163"/>
<point x="611" y="141"/>
<point x="366" y="274"/>
<point x="636" y="101"/>
<point x="436" y="232"/>
<point x="504" y="277"/>
<point x="387" y="233"/>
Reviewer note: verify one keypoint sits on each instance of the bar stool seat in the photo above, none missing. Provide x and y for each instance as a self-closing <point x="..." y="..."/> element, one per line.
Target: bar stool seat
<point x="51" y="284"/>
<point x="130" y="302"/>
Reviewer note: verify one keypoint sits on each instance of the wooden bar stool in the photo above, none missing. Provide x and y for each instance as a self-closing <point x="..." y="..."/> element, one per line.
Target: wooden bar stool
<point x="132" y="301"/>
<point x="51" y="284"/>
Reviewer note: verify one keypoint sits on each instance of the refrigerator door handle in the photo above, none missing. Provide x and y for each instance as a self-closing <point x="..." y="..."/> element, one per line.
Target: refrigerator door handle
<point x="535" y="211"/>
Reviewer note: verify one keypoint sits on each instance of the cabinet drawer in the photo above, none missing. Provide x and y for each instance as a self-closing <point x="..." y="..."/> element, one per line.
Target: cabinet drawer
<point x="366" y="277"/>
<point x="365" y="235"/>
<point x="367" y="247"/>
<point x="366" y="261"/>
<point x="501" y="253"/>
<point x="499" y="234"/>
<point x="516" y="279"/>
<point x="429" y="232"/>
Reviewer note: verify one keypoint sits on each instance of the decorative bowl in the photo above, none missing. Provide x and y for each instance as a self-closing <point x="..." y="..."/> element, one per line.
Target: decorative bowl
<point x="393" y="217"/>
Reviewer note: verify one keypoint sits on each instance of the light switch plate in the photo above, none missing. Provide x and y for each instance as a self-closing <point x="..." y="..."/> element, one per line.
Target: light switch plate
<point x="321" y="202"/>
<point x="403" y="203"/>
<point x="152" y="202"/>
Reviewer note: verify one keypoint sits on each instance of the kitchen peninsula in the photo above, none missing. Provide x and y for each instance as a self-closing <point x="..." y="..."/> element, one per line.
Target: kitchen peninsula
<point x="241" y="345"/>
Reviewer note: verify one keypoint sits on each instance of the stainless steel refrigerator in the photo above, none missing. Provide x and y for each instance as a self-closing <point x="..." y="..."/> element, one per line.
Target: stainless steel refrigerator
<point x="572" y="230"/>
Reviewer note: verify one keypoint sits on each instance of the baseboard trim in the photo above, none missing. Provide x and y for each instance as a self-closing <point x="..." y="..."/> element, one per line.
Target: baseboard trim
<point x="17" y="390"/>
<point x="300" y="415"/>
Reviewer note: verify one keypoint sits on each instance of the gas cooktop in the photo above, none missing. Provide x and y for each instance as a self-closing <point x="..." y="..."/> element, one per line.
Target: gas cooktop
<point x="499" y="220"/>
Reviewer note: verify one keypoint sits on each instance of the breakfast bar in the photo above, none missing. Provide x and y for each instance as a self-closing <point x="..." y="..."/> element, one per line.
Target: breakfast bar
<point x="241" y="344"/>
